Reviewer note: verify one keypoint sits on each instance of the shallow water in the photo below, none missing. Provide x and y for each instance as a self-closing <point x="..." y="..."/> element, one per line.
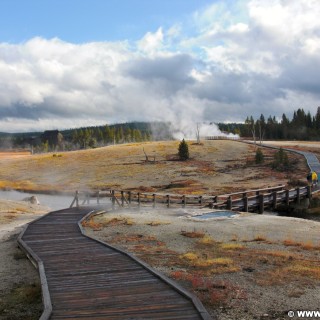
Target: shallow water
<point x="216" y="214"/>
<point x="54" y="202"/>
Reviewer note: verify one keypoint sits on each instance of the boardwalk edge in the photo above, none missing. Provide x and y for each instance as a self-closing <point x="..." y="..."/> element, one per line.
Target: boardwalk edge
<point x="197" y="303"/>
<point x="38" y="264"/>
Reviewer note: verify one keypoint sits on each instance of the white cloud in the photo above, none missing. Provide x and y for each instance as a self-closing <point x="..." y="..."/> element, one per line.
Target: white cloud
<point x="264" y="60"/>
<point x="151" y="42"/>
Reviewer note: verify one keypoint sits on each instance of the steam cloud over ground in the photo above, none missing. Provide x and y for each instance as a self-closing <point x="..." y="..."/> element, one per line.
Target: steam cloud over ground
<point x="241" y="58"/>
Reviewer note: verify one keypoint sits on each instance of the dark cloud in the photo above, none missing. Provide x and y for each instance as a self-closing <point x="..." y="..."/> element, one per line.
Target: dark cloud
<point x="167" y="73"/>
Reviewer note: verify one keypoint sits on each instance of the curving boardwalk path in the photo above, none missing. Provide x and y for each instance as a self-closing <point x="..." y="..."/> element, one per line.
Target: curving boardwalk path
<point x="83" y="278"/>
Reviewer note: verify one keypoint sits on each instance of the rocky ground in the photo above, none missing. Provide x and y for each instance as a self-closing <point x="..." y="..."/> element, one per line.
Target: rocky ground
<point x="246" y="267"/>
<point x="20" y="292"/>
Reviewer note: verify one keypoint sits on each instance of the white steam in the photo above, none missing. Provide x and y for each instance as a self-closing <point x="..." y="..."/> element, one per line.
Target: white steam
<point x="190" y="131"/>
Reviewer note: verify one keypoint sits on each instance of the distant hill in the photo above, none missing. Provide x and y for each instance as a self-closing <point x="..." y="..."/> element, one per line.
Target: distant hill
<point x="87" y="137"/>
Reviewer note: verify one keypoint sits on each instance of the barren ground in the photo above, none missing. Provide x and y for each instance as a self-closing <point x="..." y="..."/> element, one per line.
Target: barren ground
<point x="20" y="294"/>
<point x="216" y="167"/>
<point x="251" y="267"/>
<point x="247" y="267"/>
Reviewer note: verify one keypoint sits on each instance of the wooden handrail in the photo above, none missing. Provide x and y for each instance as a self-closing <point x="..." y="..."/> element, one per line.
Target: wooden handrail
<point x="231" y="201"/>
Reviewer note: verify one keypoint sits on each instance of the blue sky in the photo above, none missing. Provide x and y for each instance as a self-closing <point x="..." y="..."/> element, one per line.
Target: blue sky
<point x="81" y="21"/>
<point x="73" y="63"/>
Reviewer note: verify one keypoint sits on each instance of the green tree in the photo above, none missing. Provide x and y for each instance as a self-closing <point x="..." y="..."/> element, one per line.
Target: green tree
<point x="281" y="160"/>
<point x="183" y="150"/>
<point x="259" y="156"/>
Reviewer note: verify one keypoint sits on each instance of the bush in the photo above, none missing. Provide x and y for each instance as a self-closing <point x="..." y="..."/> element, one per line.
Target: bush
<point x="281" y="161"/>
<point x="259" y="156"/>
<point x="183" y="150"/>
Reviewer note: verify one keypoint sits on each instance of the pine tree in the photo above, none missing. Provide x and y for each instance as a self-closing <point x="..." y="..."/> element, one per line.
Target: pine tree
<point x="259" y="156"/>
<point x="183" y="150"/>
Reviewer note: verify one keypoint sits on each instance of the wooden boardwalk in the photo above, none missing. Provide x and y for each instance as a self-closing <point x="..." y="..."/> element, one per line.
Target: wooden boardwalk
<point x="83" y="278"/>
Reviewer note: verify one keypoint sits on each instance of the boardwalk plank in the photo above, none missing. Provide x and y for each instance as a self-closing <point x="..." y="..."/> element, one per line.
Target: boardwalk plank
<point x="88" y="280"/>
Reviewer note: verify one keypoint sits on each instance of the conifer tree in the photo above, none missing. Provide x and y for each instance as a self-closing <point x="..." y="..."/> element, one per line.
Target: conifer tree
<point x="183" y="150"/>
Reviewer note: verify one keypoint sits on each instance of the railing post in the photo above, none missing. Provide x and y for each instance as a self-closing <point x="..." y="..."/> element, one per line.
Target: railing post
<point x="261" y="203"/>
<point x="274" y="199"/>
<point x="77" y="199"/>
<point x="245" y="202"/>
<point x="200" y="200"/>
<point x="309" y="193"/>
<point x="129" y="198"/>
<point x="139" y="200"/>
<point x="183" y="201"/>
<point x="298" y="195"/>
<point x="122" y="199"/>
<point x="98" y="197"/>
<point x="88" y="197"/>
<point x="168" y="200"/>
<point x="154" y="200"/>
<point x="229" y="203"/>
<point x="287" y="197"/>
<point x="215" y="201"/>
<point x="113" y="199"/>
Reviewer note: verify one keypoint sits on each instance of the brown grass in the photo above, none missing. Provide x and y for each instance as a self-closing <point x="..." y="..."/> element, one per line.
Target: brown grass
<point x="193" y="234"/>
<point x="206" y="263"/>
<point x="232" y="246"/>
<point x="123" y="167"/>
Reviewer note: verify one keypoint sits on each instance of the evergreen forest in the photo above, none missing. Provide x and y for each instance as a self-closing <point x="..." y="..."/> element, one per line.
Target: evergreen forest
<point x="302" y="126"/>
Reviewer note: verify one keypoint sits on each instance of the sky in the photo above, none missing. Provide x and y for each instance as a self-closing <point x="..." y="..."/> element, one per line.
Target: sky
<point x="66" y="64"/>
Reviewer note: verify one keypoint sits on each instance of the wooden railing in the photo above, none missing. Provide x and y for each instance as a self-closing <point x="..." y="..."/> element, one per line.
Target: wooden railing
<point x="251" y="200"/>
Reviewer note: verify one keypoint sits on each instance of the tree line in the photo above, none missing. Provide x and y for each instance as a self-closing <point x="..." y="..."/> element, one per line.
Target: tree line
<point x="86" y="137"/>
<point x="302" y="126"/>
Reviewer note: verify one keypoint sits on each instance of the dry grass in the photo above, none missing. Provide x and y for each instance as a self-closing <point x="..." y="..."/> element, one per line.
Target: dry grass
<point x="206" y="240"/>
<point x="124" y="167"/>
<point x="206" y="263"/>
<point x="308" y="245"/>
<point x="303" y="269"/>
<point x="232" y="246"/>
<point x="22" y="302"/>
<point x="259" y="237"/>
<point x="193" y="234"/>
<point x="157" y="223"/>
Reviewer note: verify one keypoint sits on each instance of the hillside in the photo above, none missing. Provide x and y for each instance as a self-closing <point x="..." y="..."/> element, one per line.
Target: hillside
<point x="215" y="167"/>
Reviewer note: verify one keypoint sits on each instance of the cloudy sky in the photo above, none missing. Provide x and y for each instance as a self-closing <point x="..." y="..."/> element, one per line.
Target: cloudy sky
<point x="72" y="63"/>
